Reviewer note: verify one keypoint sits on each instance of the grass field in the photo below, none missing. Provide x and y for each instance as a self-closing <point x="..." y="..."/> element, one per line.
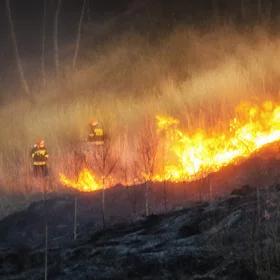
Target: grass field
<point x="196" y="76"/>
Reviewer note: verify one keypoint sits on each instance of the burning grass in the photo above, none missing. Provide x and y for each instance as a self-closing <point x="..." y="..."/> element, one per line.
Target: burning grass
<point x="196" y="78"/>
<point x="85" y="182"/>
<point x="194" y="154"/>
<point x="178" y="155"/>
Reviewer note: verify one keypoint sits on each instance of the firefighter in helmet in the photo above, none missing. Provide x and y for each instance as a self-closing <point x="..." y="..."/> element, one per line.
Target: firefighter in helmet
<point x="40" y="156"/>
<point x="96" y="133"/>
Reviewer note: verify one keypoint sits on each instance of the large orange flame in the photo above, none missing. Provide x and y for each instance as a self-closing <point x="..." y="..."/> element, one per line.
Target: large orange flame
<point x="86" y="181"/>
<point x="186" y="156"/>
<point x="191" y="156"/>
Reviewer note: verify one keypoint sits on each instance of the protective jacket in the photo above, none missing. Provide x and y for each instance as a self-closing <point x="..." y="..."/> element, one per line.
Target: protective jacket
<point x="96" y="135"/>
<point x="39" y="156"/>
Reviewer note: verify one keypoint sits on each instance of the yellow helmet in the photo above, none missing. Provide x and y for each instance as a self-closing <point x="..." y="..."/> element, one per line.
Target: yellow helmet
<point x="41" y="143"/>
<point x="94" y="123"/>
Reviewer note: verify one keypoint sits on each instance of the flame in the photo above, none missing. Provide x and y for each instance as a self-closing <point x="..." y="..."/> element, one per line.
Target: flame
<point x="86" y="181"/>
<point x="190" y="156"/>
<point x="186" y="156"/>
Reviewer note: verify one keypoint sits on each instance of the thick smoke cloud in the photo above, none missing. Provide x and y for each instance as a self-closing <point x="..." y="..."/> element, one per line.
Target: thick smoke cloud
<point x="195" y="75"/>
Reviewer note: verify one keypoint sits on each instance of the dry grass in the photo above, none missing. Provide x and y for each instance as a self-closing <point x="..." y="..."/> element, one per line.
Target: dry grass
<point x="194" y="75"/>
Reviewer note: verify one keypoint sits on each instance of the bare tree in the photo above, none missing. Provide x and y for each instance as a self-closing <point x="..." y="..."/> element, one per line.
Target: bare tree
<point x="75" y="217"/>
<point x="106" y="162"/>
<point x="264" y="9"/>
<point x="215" y="9"/>
<point x="242" y="9"/>
<point x="46" y="253"/>
<point x="147" y="147"/>
<point x="88" y="11"/>
<point x="164" y="158"/>
<point x="133" y="194"/>
<point x="55" y="37"/>
<point x="128" y="170"/>
<point x="43" y="68"/>
<point x="45" y="182"/>
<point x="268" y="10"/>
<point x="80" y="163"/>
<point x="259" y="3"/>
<point x="131" y="178"/>
<point x="16" y="51"/>
<point x="77" y="47"/>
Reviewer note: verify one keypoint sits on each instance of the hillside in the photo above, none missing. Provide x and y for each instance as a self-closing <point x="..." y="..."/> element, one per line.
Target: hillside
<point x="232" y="238"/>
<point x="217" y="233"/>
<point x="127" y="204"/>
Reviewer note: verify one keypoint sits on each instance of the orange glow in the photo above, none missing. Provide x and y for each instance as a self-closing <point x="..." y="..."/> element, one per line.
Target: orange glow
<point x="86" y="181"/>
<point x="183" y="155"/>
<point x="192" y="155"/>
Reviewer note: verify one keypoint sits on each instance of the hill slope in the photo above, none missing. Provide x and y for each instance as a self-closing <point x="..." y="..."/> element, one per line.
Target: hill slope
<point x="232" y="238"/>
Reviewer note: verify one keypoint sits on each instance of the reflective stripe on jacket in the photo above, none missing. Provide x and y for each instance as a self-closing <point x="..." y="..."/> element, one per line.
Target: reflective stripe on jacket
<point x="39" y="163"/>
<point x="97" y="136"/>
<point x="39" y="156"/>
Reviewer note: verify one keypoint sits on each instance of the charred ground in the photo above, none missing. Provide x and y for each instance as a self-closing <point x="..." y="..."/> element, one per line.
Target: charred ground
<point x="230" y="238"/>
<point x="235" y="235"/>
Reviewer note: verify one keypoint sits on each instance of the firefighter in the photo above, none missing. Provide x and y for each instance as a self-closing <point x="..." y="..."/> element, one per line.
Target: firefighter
<point x="40" y="156"/>
<point x="96" y="133"/>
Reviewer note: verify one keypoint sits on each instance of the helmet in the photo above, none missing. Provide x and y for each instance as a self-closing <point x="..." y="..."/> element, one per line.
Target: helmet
<point x="94" y="123"/>
<point x="41" y="143"/>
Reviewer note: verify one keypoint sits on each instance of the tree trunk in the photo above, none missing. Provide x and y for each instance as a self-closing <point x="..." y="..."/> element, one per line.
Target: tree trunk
<point x="215" y="9"/>
<point x="163" y="170"/>
<point x="133" y="199"/>
<point x="55" y="38"/>
<point x="46" y="252"/>
<point x="268" y="12"/>
<point x="259" y="9"/>
<point x="77" y="47"/>
<point x="46" y="229"/>
<point x="88" y="12"/>
<point x="104" y="159"/>
<point x="210" y="188"/>
<point x="242" y="9"/>
<point x="43" y="68"/>
<point x="16" y="52"/>
<point x="147" y="207"/>
<point x="103" y="205"/>
<point x="258" y="205"/>
<point x="165" y="194"/>
<point x="75" y="218"/>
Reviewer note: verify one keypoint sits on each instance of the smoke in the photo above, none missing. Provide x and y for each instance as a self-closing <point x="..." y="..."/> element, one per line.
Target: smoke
<point x="195" y="75"/>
